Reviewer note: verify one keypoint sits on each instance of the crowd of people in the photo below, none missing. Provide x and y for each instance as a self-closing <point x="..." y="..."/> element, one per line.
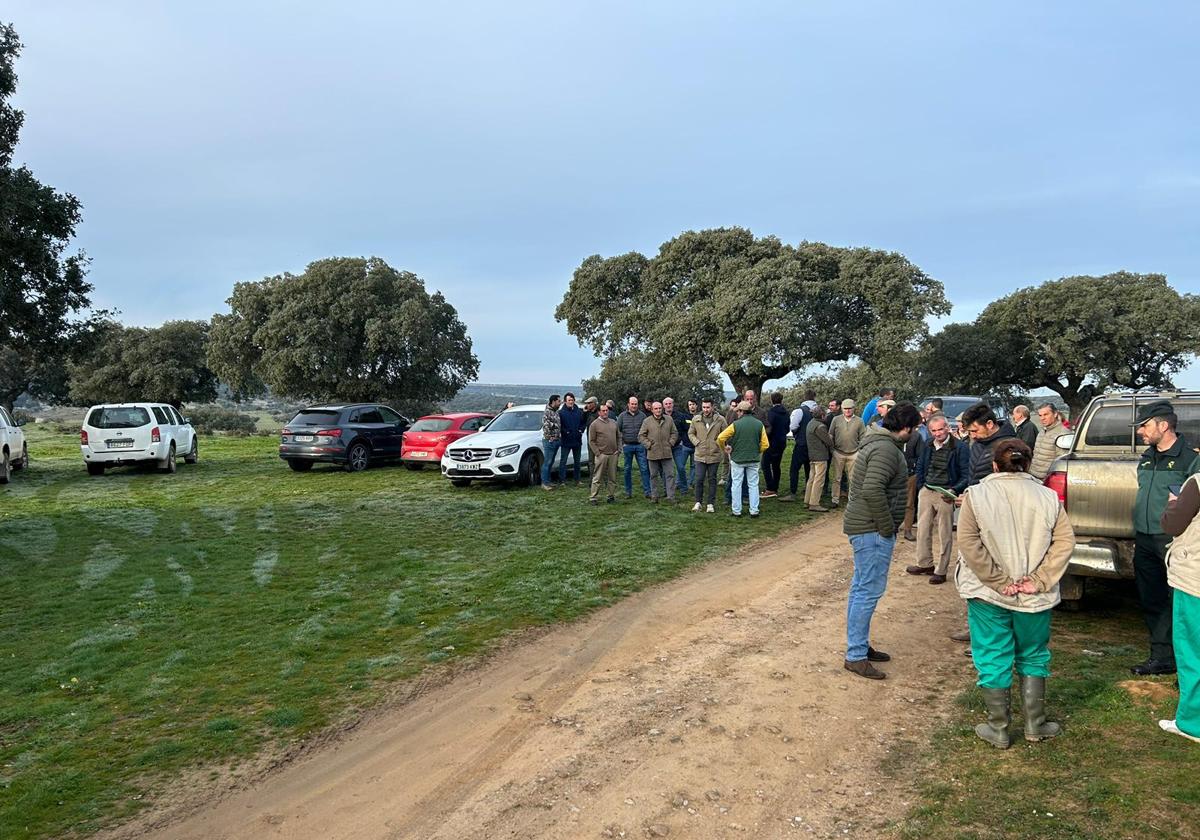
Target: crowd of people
<point x="914" y="473"/>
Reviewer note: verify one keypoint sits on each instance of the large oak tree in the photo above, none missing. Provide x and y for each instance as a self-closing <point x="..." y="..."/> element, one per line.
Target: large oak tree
<point x="135" y="364"/>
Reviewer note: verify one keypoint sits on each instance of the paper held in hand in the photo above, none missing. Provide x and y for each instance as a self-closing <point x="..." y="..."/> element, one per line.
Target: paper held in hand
<point x="945" y="491"/>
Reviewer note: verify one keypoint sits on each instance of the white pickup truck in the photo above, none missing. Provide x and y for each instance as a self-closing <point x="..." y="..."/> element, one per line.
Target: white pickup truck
<point x="14" y="452"/>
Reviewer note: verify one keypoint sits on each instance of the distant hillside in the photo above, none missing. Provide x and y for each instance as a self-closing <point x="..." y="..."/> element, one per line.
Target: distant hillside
<point x="486" y="397"/>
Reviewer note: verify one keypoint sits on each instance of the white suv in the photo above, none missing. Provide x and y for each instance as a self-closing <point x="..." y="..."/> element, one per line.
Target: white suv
<point x="136" y="433"/>
<point x="14" y="454"/>
<point x="508" y="449"/>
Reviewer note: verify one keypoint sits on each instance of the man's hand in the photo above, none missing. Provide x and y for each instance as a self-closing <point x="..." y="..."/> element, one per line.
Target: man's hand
<point x="958" y="501"/>
<point x="947" y="499"/>
<point x="728" y="449"/>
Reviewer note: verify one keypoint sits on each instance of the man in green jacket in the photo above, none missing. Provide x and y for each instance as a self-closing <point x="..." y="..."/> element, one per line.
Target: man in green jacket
<point x="874" y="511"/>
<point x="1167" y="461"/>
<point x="745" y="440"/>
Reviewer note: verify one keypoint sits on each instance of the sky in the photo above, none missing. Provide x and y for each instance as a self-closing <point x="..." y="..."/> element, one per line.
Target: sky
<point x="491" y="147"/>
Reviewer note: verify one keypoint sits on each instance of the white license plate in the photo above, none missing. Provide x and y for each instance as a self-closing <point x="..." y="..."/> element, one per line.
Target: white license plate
<point x="467" y="467"/>
<point x="418" y="454"/>
<point x="303" y="438"/>
<point x="119" y="444"/>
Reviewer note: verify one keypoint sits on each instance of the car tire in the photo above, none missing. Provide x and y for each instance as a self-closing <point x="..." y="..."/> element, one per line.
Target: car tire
<point x="530" y="471"/>
<point x="5" y="470"/>
<point x="414" y="467"/>
<point x="95" y="469"/>
<point x="168" y="466"/>
<point x="24" y="462"/>
<point x="298" y="465"/>
<point x="460" y="482"/>
<point x="358" y="457"/>
<point x="193" y="456"/>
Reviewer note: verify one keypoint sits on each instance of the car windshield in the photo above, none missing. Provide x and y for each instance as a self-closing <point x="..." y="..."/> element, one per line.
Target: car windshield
<point x="956" y="406"/>
<point x="432" y="424"/>
<point x="119" y="418"/>
<point x="318" y="417"/>
<point x="517" y="421"/>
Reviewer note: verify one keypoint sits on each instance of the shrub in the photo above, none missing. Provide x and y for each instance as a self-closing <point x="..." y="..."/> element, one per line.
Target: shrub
<point x="211" y="418"/>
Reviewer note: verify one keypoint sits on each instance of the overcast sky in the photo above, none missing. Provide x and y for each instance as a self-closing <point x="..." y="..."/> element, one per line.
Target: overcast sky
<point x="489" y="147"/>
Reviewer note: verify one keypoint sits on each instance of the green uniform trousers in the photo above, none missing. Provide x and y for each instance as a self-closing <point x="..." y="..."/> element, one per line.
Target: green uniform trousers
<point x="1003" y="638"/>
<point x="1187" y="658"/>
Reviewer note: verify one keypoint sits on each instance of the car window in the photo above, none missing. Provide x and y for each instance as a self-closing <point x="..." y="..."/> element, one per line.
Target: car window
<point x="432" y="424"/>
<point x="124" y="417"/>
<point x="473" y="424"/>
<point x="368" y="415"/>
<point x="160" y="415"/>
<point x="1189" y="422"/>
<point x="175" y="415"/>
<point x="389" y="416"/>
<point x="315" y="417"/>
<point x="517" y="421"/>
<point x="1111" y="425"/>
<point x="4" y="419"/>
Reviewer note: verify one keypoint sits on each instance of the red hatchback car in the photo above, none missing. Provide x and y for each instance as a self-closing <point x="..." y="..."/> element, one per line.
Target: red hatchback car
<point x="426" y="441"/>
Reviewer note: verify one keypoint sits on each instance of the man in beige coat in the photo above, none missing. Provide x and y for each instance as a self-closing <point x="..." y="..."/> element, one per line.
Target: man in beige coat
<point x="703" y="430"/>
<point x="1044" y="450"/>
<point x="659" y="435"/>
<point x="604" y="447"/>
<point x="847" y="430"/>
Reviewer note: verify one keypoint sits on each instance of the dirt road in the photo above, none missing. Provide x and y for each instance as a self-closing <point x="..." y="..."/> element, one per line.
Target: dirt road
<point x="712" y="706"/>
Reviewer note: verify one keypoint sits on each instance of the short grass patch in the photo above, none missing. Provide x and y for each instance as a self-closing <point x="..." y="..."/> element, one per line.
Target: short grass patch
<point x="151" y="623"/>
<point x="1111" y="774"/>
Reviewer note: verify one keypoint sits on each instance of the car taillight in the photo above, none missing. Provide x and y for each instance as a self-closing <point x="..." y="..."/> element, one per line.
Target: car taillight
<point x="337" y="433"/>
<point x="1057" y="481"/>
<point x="285" y="431"/>
<point x="83" y="437"/>
<point x="155" y="435"/>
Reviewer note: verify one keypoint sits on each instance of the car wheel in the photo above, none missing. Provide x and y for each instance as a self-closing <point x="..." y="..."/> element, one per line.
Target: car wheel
<point x="414" y="467"/>
<point x="530" y="472"/>
<point x="5" y="470"/>
<point x="358" y="458"/>
<point x="461" y="482"/>
<point x="193" y="456"/>
<point x="168" y="466"/>
<point x="300" y="466"/>
<point x="95" y="469"/>
<point x="24" y="462"/>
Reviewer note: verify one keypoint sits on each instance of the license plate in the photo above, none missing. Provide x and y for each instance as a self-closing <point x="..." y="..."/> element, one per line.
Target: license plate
<point x="303" y="438"/>
<point x="467" y="467"/>
<point x="418" y="454"/>
<point x="119" y="444"/>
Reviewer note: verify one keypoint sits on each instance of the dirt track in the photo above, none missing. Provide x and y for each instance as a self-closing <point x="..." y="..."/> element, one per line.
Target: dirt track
<point x="713" y="706"/>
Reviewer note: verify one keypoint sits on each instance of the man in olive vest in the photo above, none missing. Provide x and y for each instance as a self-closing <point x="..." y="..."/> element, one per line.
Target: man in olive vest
<point x="744" y="440"/>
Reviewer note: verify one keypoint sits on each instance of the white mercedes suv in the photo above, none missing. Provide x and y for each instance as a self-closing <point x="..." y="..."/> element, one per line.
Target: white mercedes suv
<point x="136" y="433"/>
<point x="507" y="449"/>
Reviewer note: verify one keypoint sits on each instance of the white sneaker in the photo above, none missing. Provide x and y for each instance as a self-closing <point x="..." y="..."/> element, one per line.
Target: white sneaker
<point x="710" y="509"/>
<point x="1170" y="726"/>
<point x="696" y="508"/>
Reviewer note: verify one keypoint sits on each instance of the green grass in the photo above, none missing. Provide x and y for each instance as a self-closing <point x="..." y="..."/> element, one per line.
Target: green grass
<point x="1111" y="774"/>
<point x="151" y="623"/>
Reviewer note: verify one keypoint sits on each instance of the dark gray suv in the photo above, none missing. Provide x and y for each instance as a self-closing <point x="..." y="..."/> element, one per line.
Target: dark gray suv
<point x="351" y="435"/>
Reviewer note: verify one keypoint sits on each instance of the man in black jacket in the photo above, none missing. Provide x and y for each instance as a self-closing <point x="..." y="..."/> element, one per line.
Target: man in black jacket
<point x="986" y="431"/>
<point x="777" y="424"/>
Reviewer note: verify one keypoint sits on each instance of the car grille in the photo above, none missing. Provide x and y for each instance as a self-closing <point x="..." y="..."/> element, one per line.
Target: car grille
<point x="468" y="455"/>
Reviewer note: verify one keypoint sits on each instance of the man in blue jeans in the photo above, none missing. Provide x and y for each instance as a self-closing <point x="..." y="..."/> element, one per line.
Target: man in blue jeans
<point x="551" y="439"/>
<point x="874" y="511"/>
<point x="629" y="425"/>
<point x="682" y="448"/>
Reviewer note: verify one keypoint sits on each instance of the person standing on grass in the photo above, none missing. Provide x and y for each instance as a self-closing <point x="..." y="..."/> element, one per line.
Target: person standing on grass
<point x="551" y="439"/>
<point x="681" y="449"/>
<point x="703" y="432"/>
<point x="689" y="458"/>
<point x="820" y="445"/>
<point x="847" y="431"/>
<point x="1167" y="460"/>
<point x="831" y="411"/>
<point x="937" y="466"/>
<point x="778" y="421"/>
<point x="629" y="424"/>
<point x="658" y="438"/>
<point x="744" y="441"/>
<point x="798" y="428"/>
<point x="913" y="448"/>
<point x="572" y="419"/>
<point x="874" y="511"/>
<point x="1180" y="521"/>
<point x="591" y="411"/>
<point x="1015" y="542"/>
<point x="1045" y="451"/>
<point x="604" y="444"/>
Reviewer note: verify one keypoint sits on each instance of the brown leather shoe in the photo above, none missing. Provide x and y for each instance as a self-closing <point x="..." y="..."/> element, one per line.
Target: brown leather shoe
<point x="936" y="579"/>
<point x="910" y="536"/>
<point x="961" y="636"/>
<point x="864" y="669"/>
<point x="919" y="570"/>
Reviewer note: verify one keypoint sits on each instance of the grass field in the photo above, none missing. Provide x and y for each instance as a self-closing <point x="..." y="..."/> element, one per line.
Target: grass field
<point x="150" y="622"/>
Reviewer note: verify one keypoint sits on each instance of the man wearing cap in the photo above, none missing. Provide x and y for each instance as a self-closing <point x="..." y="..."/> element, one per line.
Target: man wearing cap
<point x="591" y="410"/>
<point x="872" y="406"/>
<point x="1167" y="460"/>
<point x="847" y="431"/>
<point x="604" y="445"/>
<point x="881" y="409"/>
<point x="744" y="440"/>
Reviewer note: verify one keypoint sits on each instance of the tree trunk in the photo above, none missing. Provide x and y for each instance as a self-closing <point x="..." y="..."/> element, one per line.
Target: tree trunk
<point x="743" y="382"/>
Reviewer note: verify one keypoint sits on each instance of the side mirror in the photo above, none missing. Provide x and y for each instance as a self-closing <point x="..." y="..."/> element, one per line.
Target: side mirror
<point x="1065" y="442"/>
<point x="21" y="422"/>
<point x="187" y="420"/>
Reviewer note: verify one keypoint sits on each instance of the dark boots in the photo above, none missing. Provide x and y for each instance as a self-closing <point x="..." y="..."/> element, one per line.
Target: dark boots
<point x="995" y="731"/>
<point x="1033" y="697"/>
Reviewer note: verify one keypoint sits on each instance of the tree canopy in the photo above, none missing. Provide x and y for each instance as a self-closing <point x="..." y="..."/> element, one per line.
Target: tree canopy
<point x="638" y="373"/>
<point x="43" y="290"/>
<point x="137" y="364"/>
<point x="347" y="329"/>
<point x="755" y="308"/>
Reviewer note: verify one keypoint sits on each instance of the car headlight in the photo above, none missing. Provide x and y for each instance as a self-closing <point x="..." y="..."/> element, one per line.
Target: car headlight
<point x="505" y="451"/>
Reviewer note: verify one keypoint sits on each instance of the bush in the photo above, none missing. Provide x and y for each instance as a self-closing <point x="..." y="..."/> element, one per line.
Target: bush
<point x="211" y="418"/>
